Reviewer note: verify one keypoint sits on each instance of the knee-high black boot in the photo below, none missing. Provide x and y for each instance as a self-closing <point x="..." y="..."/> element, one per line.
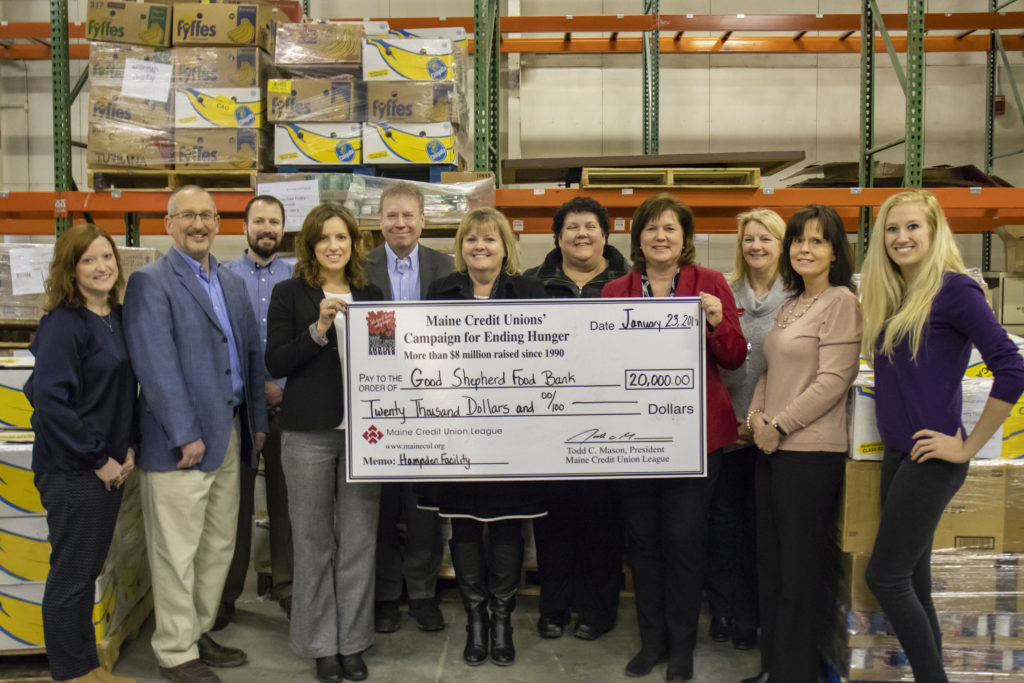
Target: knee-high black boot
<point x="504" y="563"/>
<point x="470" y="574"/>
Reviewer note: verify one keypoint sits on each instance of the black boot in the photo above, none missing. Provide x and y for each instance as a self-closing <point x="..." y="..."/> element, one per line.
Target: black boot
<point x="470" y="574"/>
<point x="504" y="564"/>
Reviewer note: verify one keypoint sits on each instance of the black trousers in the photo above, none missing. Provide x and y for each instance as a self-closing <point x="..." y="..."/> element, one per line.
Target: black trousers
<point x="666" y="535"/>
<point x="731" y="582"/>
<point x="413" y="557"/>
<point x="579" y="551"/>
<point x="899" y="573"/>
<point x="281" y="553"/>
<point x="81" y="515"/>
<point x="797" y="558"/>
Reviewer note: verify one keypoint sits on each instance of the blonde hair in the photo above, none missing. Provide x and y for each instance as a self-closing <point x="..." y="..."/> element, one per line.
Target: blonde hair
<point x="895" y="310"/>
<point x="772" y="222"/>
<point x="487" y="217"/>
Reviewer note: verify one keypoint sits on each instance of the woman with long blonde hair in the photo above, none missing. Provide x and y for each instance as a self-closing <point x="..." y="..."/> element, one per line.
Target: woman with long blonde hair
<point x="921" y="315"/>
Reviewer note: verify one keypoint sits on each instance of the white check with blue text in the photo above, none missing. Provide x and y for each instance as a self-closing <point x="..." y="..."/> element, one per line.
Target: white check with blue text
<point x="521" y="390"/>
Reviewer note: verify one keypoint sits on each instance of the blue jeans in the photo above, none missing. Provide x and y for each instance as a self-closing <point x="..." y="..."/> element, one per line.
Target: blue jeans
<point x="334" y="531"/>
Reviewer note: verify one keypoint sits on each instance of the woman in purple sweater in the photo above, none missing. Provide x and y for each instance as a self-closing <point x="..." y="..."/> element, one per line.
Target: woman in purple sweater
<point x="921" y="315"/>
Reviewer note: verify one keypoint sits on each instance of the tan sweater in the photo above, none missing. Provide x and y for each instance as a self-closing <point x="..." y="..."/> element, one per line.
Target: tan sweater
<point x="811" y="364"/>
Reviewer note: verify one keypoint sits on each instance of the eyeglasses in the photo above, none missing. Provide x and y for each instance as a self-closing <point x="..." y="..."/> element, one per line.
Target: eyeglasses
<point x="190" y="216"/>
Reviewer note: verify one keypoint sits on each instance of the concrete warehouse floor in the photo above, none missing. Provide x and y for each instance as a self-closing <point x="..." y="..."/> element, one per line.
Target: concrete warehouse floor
<point x="413" y="656"/>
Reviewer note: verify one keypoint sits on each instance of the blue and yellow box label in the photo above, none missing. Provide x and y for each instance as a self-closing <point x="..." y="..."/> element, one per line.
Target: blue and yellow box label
<point x="408" y="59"/>
<point x="308" y="144"/>
<point x="218" y="108"/>
<point x="409" y="143"/>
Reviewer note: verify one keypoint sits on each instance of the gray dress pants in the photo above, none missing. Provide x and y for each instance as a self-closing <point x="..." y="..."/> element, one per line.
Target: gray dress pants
<point x="334" y="532"/>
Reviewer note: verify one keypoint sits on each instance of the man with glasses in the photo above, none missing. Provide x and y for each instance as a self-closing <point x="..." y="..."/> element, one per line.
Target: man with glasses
<point x="261" y="269"/>
<point x="195" y="348"/>
<point x="403" y="269"/>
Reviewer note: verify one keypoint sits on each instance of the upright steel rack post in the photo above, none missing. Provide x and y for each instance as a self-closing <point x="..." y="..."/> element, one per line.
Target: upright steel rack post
<point x="61" y="74"/>
<point x="486" y="74"/>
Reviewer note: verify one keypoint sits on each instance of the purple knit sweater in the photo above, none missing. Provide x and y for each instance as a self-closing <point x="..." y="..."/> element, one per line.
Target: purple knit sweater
<point x="925" y="394"/>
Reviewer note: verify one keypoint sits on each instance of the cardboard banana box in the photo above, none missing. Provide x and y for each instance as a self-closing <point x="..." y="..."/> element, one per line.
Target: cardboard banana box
<point x="219" y="24"/>
<point x="116" y="144"/>
<point x="218" y="108"/>
<point x="319" y="43"/>
<point x="408" y="59"/>
<point x="138" y="23"/>
<point x="229" y="149"/>
<point x="404" y="143"/>
<point x="334" y="100"/>
<point x="219" y="67"/>
<point x="310" y="144"/>
<point x="107" y="62"/>
<point x="409" y="102"/>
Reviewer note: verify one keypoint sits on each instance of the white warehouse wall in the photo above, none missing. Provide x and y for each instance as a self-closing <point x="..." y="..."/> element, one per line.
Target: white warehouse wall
<point x="569" y="105"/>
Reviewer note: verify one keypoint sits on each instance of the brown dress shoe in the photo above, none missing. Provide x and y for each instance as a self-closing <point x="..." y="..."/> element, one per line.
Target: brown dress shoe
<point x="212" y="653"/>
<point x="192" y="671"/>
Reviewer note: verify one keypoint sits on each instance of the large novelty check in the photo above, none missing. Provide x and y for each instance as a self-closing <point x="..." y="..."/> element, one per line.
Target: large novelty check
<point x="561" y="389"/>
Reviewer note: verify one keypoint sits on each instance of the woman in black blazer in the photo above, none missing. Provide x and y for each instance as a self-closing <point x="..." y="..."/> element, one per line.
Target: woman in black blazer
<point x="334" y="522"/>
<point x="486" y="267"/>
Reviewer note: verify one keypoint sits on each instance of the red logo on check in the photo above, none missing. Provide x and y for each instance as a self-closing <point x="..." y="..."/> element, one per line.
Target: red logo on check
<point x="373" y="435"/>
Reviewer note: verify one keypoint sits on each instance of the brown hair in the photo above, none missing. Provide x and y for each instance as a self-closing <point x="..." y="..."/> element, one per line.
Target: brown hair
<point x="400" y="189"/>
<point x="62" y="282"/>
<point x="652" y="209"/>
<point x="307" y="267"/>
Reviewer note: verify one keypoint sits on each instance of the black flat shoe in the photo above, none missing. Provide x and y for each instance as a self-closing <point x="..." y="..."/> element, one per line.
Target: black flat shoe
<point x="644" y="662"/>
<point x="585" y="631"/>
<point x="552" y="625"/>
<point x="720" y="629"/>
<point x="678" y="672"/>
<point x="759" y="678"/>
<point x="328" y="669"/>
<point x="744" y="638"/>
<point x="353" y="668"/>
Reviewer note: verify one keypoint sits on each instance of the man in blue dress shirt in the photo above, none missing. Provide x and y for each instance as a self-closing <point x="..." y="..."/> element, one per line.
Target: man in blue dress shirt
<point x="195" y="348"/>
<point x="261" y="269"/>
<point x="403" y="269"/>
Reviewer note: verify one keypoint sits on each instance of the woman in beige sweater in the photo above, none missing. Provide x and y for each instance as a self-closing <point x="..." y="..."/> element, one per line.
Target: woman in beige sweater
<point x="798" y="417"/>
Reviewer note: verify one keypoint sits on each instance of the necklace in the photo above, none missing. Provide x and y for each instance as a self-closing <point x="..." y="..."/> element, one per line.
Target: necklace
<point x="106" y="319"/>
<point x="792" y="316"/>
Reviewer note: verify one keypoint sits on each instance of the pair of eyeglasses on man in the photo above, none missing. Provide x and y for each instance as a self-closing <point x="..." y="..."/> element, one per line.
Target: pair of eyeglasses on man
<point x="190" y="216"/>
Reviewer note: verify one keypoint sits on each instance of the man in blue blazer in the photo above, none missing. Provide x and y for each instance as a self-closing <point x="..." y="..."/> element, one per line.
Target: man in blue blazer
<point x="403" y="269"/>
<point x="195" y="348"/>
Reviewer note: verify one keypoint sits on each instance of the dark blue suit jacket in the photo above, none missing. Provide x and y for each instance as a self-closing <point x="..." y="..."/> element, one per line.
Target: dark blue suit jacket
<point x="180" y="356"/>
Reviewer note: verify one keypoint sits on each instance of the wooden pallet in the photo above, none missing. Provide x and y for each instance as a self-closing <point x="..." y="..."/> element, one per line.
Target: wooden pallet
<point x="149" y="180"/>
<point x="109" y="649"/>
<point x="25" y="666"/>
<point x="672" y="178"/>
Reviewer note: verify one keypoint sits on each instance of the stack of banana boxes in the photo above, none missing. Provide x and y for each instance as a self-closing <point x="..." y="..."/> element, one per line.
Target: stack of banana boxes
<point x="977" y="561"/>
<point x="361" y="94"/>
<point x="24" y="548"/>
<point x="199" y="105"/>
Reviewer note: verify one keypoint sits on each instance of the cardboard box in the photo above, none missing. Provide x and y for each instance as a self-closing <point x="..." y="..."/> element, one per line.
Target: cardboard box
<point x="402" y="143"/>
<point x="25" y="547"/>
<point x="107" y="62"/>
<point x="220" y="148"/>
<point x="1013" y="247"/>
<point x="409" y="102"/>
<point x="319" y="43"/>
<point x="860" y="506"/>
<point x="119" y="145"/>
<point x="328" y="100"/>
<point x="219" y="67"/>
<point x="865" y="441"/>
<point x="109" y="105"/>
<point x="408" y="59"/>
<point x="309" y="144"/>
<point x="986" y="514"/>
<point x="218" y="108"/>
<point x="138" y="23"/>
<point x="456" y="34"/>
<point x="18" y="494"/>
<point x="224" y="24"/>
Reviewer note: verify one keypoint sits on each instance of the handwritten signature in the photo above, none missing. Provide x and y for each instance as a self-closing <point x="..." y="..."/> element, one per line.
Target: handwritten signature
<point x="598" y="436"/>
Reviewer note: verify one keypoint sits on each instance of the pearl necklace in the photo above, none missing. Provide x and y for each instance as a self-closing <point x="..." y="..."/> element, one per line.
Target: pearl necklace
<point x="791" y="317"/>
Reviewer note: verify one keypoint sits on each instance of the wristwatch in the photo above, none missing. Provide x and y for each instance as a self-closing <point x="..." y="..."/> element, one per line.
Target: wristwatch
<point x="780" y="430"/>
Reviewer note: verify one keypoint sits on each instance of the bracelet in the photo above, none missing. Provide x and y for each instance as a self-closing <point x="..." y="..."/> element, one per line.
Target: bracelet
<point x="751" y="414"/>
<point x="780" y="430"/>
